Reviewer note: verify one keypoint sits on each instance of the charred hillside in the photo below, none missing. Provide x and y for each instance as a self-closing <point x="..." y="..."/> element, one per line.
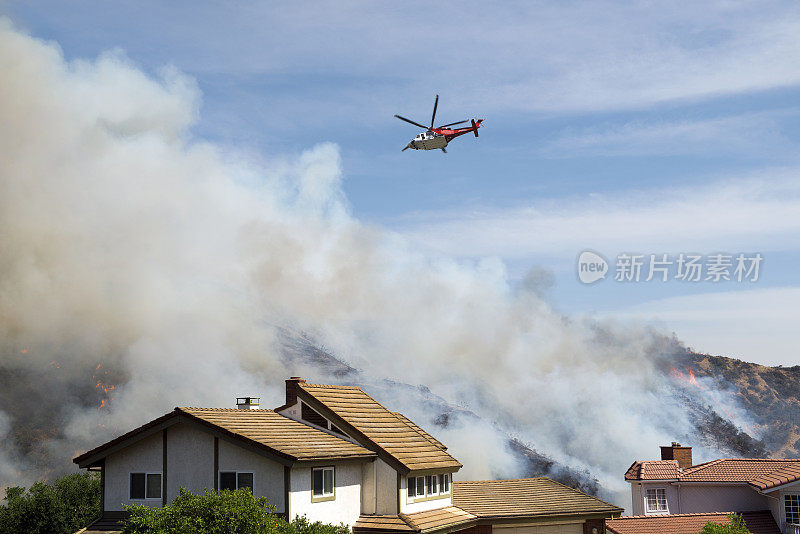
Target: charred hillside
<point x="769" y="395"/>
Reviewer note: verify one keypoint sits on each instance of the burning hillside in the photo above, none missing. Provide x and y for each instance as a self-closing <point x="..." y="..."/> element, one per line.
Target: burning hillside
<point x="143" y="269"/>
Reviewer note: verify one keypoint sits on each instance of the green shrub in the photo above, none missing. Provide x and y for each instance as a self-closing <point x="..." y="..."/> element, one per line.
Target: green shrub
<point x="223" y="512"/>
<point x="736" y="526"/>
<point x="69" y="504"/>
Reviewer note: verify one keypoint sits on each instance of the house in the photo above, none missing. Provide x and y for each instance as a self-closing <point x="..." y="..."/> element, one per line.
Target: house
<point x="676" y="493"/>
<point x="336" y="455"/>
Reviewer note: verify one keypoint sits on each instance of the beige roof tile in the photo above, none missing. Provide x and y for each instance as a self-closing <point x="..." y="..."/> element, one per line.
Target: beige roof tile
<point x="406" y="443"/>
<point x="439" y="518"/>
<point x="525" y="497"/>
<point x="285" y="435"/>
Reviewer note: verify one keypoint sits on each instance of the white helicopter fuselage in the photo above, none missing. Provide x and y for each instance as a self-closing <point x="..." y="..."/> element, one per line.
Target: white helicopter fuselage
<point x="428" y="141"/>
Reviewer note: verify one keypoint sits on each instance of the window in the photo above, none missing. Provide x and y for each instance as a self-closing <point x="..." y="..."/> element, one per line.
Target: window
<point x="322" y="483"/>
<point x="656" y="500"/>
<point x="431" y="481"/>
<point x="145" y="486"/>
<point x="791" y="506"/>
<point x="231" y="480"/>
<point x="444" y="483"/>
<point x="412" y="487"/>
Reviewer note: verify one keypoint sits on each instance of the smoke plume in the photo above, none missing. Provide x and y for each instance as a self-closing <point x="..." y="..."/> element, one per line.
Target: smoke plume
<point x="144" y="269"/>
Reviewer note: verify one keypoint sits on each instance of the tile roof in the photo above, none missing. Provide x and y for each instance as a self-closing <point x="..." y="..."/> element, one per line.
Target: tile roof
<point x="406" y="443"/>
<point x="439" y="518"/>
<point x="393" y="523"/>
<point x="525" y="497"/>
<point x="427" y="521"/>
<point x="757" y="523"/>
<point x="290" y="437"/>
<point x="416" y="427"/>
<point x="763" y="474"/>
<point x="272" y="432"/>
<point x="653" y="470"/>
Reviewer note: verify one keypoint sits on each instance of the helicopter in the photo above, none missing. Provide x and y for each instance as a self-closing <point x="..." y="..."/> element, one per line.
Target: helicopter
<point x="438" y="137"/>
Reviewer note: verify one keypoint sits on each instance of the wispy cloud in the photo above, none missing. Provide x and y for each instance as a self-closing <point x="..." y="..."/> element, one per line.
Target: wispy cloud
<point x="759" y="212"/>
<point x="525" y="56"/>
<point x="756" y="325"/>
<point x="745" y="134"/>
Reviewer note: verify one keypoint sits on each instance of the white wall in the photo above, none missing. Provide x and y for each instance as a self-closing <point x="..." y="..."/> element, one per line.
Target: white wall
<point x="345" y="508"/>
<point x="408" y="506"/>
<point x="143" y="456"/>
<point x="190" y="460"/>
<point x="267" y="474"/>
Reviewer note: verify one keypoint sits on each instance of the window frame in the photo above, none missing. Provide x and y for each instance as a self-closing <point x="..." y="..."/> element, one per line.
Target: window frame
<point x="443" y="477"/>
<point x="236" y="476"/>
<point x="322" y="497"/>
<point x="146" y="475"/>
<point x="794" y="496"/>
<point x="655" y="511"/>
<point x="422" y="481"/>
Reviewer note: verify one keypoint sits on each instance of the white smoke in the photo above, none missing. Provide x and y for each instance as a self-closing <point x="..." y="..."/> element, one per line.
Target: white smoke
<point x="127" y="243"/>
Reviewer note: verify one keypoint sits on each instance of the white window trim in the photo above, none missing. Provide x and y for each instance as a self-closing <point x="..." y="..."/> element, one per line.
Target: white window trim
<point x="428" y="492"/>
<point x="219" y="478"/>
<point x="783" y="505"/>
<point x="647" y="509"/>
<point x="146" y="498"/>
<point x="324" y="496"/>
<point x="449" y="483"/>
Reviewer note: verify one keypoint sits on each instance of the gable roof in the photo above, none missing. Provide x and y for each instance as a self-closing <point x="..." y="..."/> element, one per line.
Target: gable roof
<point x="763" y="474"/>
<point x="264" y="430"/>
<point x="402" y="443"/>
<point x="653" y="470"/>
<point x="757" y="523"/>
<point x="525" y="497"/>
<point x="426" y="521"/>
<point x="416" y="427"/>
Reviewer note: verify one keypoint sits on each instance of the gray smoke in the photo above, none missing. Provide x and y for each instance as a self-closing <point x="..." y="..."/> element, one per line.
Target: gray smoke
<point x="138" y="257"/>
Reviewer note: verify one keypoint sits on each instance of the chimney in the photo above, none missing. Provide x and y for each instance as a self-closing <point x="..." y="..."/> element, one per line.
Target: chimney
<point x="248" y="403"/>
<point x="291" y="389"/>
<point x="676" y="451"/>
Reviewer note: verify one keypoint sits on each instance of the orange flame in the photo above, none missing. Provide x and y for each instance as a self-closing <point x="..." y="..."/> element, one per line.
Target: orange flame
<point x="24" y="351"/>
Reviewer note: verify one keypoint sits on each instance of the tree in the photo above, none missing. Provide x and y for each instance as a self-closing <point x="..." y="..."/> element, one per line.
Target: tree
<point x="67" y="505"/>
<point x="223" y="512"/>
<point x="736" y="526"/>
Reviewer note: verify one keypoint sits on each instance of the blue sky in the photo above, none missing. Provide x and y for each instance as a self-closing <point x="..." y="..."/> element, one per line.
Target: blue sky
<point x="645" y="127"/>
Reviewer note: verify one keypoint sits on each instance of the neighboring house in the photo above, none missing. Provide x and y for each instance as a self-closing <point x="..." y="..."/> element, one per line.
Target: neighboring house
<point x="674" y="487"/>
<point x="333" y="454"/>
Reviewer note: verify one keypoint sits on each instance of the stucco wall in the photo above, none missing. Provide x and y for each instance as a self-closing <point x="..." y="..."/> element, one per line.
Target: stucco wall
<point x="142" y="456"/>
<point x="408" y="506"/>
<point x="267" y="474"/>
<point x="709" y="498"/>
<point x="345" y="508"/>
<point x="672" y="499"/>
<point x="637" y="502"/>
<point x="190" y="460"/>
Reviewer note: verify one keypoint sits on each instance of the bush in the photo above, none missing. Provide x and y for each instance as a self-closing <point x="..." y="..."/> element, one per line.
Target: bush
<point x="736" y="526"/>
<point x="69" y="504"/>
<point x="223" y="512"/>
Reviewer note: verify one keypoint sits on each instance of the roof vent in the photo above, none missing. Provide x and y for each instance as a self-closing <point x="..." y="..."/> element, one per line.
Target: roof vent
<point x="248" y="403"/>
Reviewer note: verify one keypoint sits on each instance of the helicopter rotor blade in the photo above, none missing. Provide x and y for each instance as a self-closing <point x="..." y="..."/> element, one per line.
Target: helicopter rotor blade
<point x="451" y="124"/>
<point x="433" y="117"/>
<point x="411" y="122"/>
